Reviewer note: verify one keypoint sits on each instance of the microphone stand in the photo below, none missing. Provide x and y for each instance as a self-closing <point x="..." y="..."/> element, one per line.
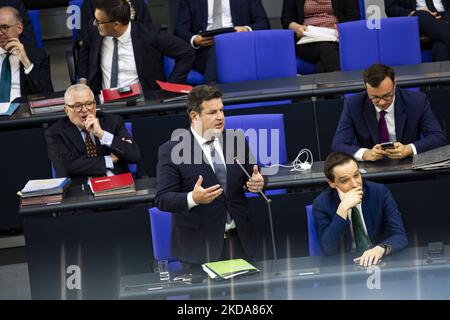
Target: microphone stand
<point x="269" y="207"/>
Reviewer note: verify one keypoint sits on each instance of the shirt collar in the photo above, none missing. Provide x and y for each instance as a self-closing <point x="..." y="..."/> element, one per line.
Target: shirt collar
<point x="388" y="110"/>
<point x="201" y="141"/>
<point x="126" y="35"/>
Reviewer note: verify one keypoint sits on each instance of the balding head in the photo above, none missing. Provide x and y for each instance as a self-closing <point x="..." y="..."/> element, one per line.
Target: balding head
<point x="10" y="24"/>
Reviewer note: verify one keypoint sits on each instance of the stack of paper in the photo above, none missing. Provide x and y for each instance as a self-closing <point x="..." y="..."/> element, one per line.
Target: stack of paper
<point x="433" y="159"/>
<point x="7" y="109"/>
<point x="317" y="34"/>
<point x="228" y="268"/>
<point x="46" y="191"/>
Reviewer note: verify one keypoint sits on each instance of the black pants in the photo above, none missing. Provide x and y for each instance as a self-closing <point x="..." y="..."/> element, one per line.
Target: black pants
<point x="205" y="63"/>
<point x="325" y="54"/>
<point x="438" y="30"/>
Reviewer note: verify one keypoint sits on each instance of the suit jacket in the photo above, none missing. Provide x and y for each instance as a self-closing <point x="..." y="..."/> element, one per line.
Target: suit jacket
<point x="193" y="16"/>
<point x="358" y="126"/>
<point x="28" y="33"/>
<point x="398" y="8"/>
<point x="197" y="234"/>
<point x="88" y="9"/>
<point x="67" y="151"/>
<point x="381" y="216"/>
<point x="39" y="79"/>
<point x="294" y="11"/>
<point x="150" y="43"/>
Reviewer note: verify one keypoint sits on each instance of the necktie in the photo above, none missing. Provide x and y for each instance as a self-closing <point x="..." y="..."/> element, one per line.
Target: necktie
<point x="220" y="170"/>
<point x="5" y="80"/>
<point x="217" y="14"/>
<point x="360" y="237"/>
<point x="431" y="6"/>
<point x="115" y="65"/>
<point x="91" y="151"/>
<point x="383" y="132"/>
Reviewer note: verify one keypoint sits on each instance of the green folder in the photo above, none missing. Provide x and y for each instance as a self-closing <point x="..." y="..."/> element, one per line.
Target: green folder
<point x="228" y="268"/>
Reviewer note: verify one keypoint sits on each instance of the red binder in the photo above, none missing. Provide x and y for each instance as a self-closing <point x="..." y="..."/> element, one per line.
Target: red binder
<point x="121" y="183"/>
<point x="111" y="95"/>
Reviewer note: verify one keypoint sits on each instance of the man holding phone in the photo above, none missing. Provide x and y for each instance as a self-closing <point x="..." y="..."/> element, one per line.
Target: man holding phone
<point x="386" y="121"/>
<point x="356" y="216"/>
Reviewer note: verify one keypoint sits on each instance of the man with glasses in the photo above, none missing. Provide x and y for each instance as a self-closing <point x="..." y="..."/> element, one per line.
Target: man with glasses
<point x="87" y="143"/>
<point x="386" y="113"/>
<point x="123" y="52"/>
<point x="24" y="68"/>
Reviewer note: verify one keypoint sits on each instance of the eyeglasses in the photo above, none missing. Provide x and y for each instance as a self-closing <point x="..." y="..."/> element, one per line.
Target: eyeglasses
<point x="98" y="23"/>
<point x="4" y="28"/>
<point x="387" y="97"/>
<point x="79" y="106"/>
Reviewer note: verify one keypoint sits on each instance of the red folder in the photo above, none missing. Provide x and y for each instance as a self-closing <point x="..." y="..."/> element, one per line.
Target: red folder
<point x="110" y="95"/>
<point x="174" y="87"/>
<point x="119" y="181"/>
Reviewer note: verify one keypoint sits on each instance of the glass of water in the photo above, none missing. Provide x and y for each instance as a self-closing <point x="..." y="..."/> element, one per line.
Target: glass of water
<point x="163" y="268"/>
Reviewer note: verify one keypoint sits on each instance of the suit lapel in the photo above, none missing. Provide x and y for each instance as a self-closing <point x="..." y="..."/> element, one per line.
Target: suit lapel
<point x="204" y="13"/>
<point x="370" y="118"/>
<point x="137" y="50"/>
<point x="367" y="212"/>
<point x="98" y="40"/>
<point x="206" y="167"/>
<point x="400" y="115"/>
<point x="234" y="7"/>
<point x="74" y="135"/>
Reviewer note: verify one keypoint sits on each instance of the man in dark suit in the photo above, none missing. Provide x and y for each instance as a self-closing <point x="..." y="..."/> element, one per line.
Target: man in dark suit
<point x="356" y="215"/>
<point x="120" y="52"/>
<point x="28" y="33"/>
<point x="24" y="68"/>
<point x="434" y="21"/>
<point x="199" y="181"/>
<point x="385" y="113"/>
<point x="87" y="143"/>
<point x="195" y="16"/>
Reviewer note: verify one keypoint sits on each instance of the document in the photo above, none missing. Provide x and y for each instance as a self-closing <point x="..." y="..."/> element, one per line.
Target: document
<point x="7" y="109"/>
<point x="317" y="34"/>
<point x="438" y="158"/>
<point x="228" y="268"/>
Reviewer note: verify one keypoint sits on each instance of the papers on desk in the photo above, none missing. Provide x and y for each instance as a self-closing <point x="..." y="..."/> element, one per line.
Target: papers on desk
<point x="432" y="160"/>
<point x="228" y="269"/>
<point x="7" y="109"/>
<point x="47" y="191"/>
<point x="317" y="34"/>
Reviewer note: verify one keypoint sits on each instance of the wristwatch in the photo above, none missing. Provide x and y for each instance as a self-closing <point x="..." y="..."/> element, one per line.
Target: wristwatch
<point x="387" y="248"/>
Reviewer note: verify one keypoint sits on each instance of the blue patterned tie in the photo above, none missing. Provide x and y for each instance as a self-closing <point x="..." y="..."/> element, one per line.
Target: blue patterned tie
<point x="5" y="80"/>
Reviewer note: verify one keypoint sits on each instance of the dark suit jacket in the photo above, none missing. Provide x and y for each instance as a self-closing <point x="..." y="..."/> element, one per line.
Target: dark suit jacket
<point x="88" y="9"/>
<point x="398" y="8"/>
<point x="197" y="234"/>
<point x="358" y="126"/>
<point x="67" y="151"/>
<point x="382" y="218"/>
<point x="150" y="43"/>
<point x="28" y="33"/>
<point x="193" y="16"/>
<point x="39" y="79"/>
<point x="294" y="11"/>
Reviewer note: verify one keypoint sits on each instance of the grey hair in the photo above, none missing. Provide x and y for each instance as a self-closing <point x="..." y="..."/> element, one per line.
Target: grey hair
<point x="77" y="87"/>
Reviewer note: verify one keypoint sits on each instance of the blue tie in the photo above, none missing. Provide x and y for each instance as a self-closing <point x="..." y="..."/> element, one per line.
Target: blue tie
<point x="5" y="80"/>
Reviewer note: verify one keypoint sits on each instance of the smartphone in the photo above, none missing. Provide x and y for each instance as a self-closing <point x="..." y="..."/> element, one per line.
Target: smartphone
<point x="125" y="89"/>
<point x="387" y="145"/>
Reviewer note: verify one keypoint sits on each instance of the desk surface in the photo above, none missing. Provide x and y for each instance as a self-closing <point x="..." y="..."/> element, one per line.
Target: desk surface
<point x="260" y="90"/>
<point x="409" y="274"/>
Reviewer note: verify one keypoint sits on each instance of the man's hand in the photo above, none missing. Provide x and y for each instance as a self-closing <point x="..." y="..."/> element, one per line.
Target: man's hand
<point x="374" y="154"/>
<point x="114" y="158"/>
<point x="434" y="14"/>
<point x="370" y="257"/>
<point x="241" y="29"/>
<point x="200" y="41"/>
<point x="256" y="182"/>
<point x="92" y="124"/>
<point x="349" y="200"/>
<point x="400" y="151"/>
<point x="16" y="48"/>
<point x="205" y="196"/>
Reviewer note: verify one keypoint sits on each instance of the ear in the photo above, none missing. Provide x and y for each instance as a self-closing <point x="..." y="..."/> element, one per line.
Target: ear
<point x="66" y="110"/>
<point x="20" y="28"/>
<point x="193" y="116"/>
<point x="331" y="184"/>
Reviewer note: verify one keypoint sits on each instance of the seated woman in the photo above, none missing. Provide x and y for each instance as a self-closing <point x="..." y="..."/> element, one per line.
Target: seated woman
<point x="297" y="15"/>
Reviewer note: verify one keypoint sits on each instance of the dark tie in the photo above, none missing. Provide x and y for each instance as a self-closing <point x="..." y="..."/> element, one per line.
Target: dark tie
<point x="360" y="237"/>
<point x="431" y="6"/>
<point x="220" y="170"/>
<point x="115" y="65"/>
<point x="383" y="132"/>
<point x="91" y="151"/>
<point x="217" y="14"/>
<point x="5" y="80"/>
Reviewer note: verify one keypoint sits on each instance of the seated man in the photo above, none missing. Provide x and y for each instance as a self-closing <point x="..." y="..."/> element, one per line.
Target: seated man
<point x="385" y="113"/>
<point x="24" y="68"/>
<point x="203" y="187"/>
<point x="434" y="21"/>
<point x="195" y="16"/>
<point x="28" y="33"/>
<point x="120" y="52"/>
<point x="87" y="143"/>
<point x="356" y="214"/>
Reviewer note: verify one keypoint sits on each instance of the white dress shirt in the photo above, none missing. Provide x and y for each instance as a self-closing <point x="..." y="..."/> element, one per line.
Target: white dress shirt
<point x="127" y="65"/>
<point x="390" y="121"/>
<point x="106" y="140"/>
<point x="15" y="73"/>
<point x="437" y="3"/>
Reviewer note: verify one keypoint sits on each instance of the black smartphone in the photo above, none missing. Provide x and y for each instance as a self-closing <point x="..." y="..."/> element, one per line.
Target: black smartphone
<point x="387" y="145"/>
<point x="125" y="89"/>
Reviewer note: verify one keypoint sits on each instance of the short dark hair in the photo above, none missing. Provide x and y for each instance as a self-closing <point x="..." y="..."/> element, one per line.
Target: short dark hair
<point x="198" y="95"/>
<point x="377" y="73"/>
<point x="336" y="159"/>
<point x="15" y="12"/>
<point x="116" y="10"/>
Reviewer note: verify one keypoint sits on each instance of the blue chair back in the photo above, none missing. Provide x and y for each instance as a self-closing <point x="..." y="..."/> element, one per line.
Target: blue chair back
<point x="305" y="67"/>
<point x="362" y="9"/>
<point x="160" y="222"/>
<point x="79" y="4"/>
<point x="35" y="16"/>
<point x="314" y="246"/>
<point x="194" y="77"/>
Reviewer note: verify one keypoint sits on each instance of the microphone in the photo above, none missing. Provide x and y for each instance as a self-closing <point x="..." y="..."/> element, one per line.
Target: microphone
<point x="269" y="207"/>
